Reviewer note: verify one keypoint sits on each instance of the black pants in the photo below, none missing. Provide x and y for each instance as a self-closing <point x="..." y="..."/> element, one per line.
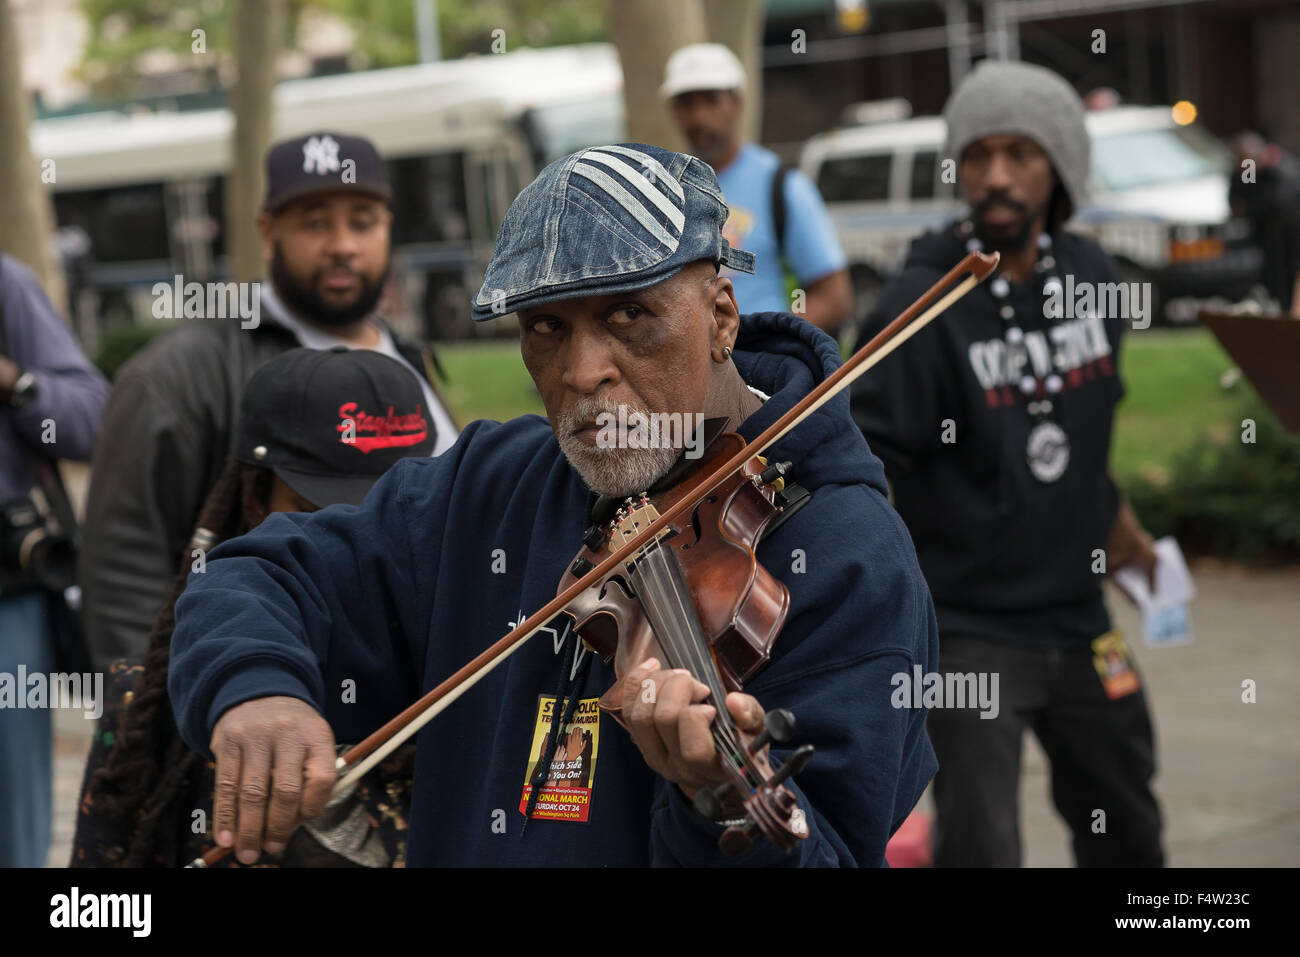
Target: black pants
<point x="1102" y="755"/>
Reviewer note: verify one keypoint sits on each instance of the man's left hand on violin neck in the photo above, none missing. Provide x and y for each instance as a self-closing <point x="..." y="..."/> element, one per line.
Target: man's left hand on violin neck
<point x="667" y="717"/>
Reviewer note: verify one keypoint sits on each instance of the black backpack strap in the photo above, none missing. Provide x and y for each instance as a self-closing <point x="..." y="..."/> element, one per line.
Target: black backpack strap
<point x="778" y="203"/>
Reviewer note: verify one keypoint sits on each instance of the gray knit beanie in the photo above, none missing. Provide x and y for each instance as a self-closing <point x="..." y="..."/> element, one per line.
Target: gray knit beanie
<point x="1004" y="97"/>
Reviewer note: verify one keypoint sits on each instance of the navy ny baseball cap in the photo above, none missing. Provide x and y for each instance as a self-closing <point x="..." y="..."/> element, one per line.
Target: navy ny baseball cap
<point x="323" y="163"/>
<point x="604" y="220"/>
<point x="330" y="422"/>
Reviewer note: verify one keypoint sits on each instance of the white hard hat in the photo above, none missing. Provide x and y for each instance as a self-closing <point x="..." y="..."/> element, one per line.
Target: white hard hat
<point x="702" y="66"/>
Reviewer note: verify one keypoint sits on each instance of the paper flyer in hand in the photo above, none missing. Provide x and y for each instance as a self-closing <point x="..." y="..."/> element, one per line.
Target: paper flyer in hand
<point x="1165" y="620"/>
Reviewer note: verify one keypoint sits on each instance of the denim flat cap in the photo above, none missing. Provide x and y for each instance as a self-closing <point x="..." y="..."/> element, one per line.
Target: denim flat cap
<point x="604" y="220"/>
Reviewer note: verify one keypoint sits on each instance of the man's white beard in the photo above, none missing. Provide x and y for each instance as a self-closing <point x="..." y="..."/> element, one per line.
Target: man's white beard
<point x="617" y="472"/>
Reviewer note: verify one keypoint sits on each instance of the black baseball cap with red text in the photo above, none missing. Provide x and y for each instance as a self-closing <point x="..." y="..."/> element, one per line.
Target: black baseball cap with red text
<point x="330" y="422"/>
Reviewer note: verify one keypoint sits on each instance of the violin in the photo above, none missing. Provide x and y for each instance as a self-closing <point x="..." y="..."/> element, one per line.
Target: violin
<point x="724" y="632"/>
<point x="695" y="597"/>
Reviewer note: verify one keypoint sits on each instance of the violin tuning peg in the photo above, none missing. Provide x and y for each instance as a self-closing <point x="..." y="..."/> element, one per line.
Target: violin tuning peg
<point x="709" y="802"/>
<point x="797" y="762"/>
<point x="594" y="538"/>
<point x="776" y="473"/>
<point x="778" y="726"/>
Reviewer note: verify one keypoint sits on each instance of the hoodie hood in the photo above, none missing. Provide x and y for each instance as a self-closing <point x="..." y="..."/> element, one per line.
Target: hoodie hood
<point x="787" y="357"/>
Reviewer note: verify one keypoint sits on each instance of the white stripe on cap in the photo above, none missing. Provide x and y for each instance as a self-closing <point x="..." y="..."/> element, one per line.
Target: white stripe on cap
<point x="632" y="204"/>
<point x="647" y="162"/>
<point x="642" y="183"/>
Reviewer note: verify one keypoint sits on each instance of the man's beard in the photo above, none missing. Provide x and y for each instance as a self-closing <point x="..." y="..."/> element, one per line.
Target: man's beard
<point x="1009" y="238"/>
<point x="306" y="303"/>
<point x="616" y="472"/>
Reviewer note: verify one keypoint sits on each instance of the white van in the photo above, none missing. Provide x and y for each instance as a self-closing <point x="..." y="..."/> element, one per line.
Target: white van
<point x="1157" y="202"/>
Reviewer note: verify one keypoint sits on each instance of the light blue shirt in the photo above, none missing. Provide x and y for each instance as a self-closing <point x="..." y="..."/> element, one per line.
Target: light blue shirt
<point x="811" y="246"/>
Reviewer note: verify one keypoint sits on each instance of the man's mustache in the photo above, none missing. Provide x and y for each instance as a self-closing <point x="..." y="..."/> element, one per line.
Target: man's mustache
<point x="586" y="410"/>
<point x="348" y="268"/>
<point x="999" y="198"/>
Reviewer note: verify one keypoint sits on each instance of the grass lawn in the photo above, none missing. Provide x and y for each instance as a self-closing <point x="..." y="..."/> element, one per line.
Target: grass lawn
<point x="1173" y="397"/>
<point x="487" y="380"/>
<point x="1172" y="377"/>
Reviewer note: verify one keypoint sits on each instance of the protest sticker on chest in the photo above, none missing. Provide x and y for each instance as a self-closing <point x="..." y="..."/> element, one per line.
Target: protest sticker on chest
<point x="571" y="778"/>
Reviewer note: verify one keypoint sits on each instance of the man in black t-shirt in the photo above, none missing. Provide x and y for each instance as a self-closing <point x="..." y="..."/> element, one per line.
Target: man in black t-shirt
<point x="995" y="427"/>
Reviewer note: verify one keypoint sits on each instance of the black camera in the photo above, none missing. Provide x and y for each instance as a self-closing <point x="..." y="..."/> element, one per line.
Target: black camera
<point x="34" y="551"/>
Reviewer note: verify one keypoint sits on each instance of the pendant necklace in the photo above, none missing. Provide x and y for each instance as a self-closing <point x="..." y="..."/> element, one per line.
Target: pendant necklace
<point x="1048" y="448"/>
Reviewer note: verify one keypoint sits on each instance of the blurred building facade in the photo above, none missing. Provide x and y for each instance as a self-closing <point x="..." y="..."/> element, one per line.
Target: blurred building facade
<point x="1233" y="59"/>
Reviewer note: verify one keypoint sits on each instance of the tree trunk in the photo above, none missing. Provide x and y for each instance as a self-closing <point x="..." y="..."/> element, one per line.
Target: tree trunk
<point x="646" y="32"/>
<point x="259" y="27"/>
<point x="738" y="25"/>
<point x="26" y="209"/>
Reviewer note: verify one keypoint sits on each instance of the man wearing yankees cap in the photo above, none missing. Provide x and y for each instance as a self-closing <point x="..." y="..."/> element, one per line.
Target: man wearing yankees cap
<point x="611" y="260"/>
<point x="172" y="414"/>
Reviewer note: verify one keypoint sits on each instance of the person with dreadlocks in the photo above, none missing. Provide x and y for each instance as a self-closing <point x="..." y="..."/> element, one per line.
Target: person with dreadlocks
<point x="317" y="428"/>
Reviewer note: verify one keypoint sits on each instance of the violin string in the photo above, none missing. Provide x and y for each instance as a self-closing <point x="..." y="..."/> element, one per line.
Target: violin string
<point x="650" y="573"/>
<point x="687" y="648"/>
<point x="660" y="589"/>
<point x="698" y="658"/>
<point x="682" y="650"/>
<point x="725" y="732"/>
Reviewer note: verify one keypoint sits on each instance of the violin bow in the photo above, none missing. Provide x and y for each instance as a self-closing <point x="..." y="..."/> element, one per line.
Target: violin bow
<point x="359" y="759"/>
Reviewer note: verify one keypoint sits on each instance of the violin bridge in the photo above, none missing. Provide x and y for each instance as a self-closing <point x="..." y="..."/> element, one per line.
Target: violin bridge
<point x="633" y="516"/>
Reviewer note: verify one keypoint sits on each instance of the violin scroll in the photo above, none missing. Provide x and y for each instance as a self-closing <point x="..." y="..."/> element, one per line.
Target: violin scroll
<point x="771" y="809"/>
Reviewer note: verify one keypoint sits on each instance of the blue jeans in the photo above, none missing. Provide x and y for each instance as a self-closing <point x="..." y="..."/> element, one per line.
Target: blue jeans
<point x="26" y="790"/>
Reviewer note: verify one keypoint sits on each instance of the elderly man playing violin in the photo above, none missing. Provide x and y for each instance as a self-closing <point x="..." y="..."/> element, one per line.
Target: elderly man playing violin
<point x="318" y="628"/>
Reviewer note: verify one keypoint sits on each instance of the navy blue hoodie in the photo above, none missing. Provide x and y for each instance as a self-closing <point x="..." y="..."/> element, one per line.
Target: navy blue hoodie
<point x="360" y="610"/>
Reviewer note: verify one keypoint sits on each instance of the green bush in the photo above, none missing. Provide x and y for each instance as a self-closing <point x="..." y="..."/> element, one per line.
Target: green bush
<point x="1227" y="496"/>
<point x="121" y="344"/>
